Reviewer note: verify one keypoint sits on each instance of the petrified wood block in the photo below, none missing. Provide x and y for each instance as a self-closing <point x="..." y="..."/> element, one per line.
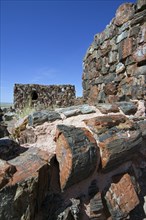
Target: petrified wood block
<point x="118" y="138"/>
<point x="121" y="197"/>
<point x="77" y="154"/>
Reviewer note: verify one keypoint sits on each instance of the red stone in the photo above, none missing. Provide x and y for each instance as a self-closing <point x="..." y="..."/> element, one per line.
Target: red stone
<point x="6" y="172"/>
<point x="77" y="154"/>
<point x="124" y="13"/>
<point x="127" y="47"/>
<point x="121" y="197"/>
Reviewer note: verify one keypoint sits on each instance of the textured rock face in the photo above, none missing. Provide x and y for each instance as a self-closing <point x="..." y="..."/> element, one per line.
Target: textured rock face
<point x="121" y="197"/>
<point x="115" y="63"/>
<point x="84" y="162"/>
<point x="87" y="166"/>
<point x="76" y="150"/>
<point x="32" y="95"/>
<point x="24" y="183"/>
<point x="117" y="138"/>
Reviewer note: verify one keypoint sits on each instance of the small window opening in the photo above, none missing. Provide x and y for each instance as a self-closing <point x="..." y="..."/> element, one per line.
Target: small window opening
<point x="34" y="95"/>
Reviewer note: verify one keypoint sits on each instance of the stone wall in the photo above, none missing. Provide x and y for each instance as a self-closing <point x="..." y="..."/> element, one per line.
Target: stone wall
<point x="115" y="63"/>
<point x="41" y="95"/>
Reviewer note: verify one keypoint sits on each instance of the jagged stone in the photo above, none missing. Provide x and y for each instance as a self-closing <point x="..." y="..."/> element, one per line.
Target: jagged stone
<point x="124" y="13"/>
<point x="121" y="197"/>
<point x="23" y="196"/>
<point x="96" y="208"/>
<point x="76" y="150"/>
<point x="138" y="18"/>
<point x="72" y="212"/>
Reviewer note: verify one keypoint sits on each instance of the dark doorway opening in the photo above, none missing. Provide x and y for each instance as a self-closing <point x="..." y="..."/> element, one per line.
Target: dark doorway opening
<point x="34" y="95"/>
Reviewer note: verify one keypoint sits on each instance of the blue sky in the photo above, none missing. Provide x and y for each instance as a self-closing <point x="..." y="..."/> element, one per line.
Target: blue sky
<point x="44" y="42"/>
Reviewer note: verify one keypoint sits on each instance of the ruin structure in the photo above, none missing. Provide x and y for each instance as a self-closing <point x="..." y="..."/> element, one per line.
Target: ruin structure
<point x="115" y="63"/>
<point x="31" y="95"/>
<point x="84" y="162"/>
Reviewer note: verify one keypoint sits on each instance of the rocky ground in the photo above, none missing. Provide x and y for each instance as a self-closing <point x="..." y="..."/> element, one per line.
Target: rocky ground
<point x="81" y="162"/>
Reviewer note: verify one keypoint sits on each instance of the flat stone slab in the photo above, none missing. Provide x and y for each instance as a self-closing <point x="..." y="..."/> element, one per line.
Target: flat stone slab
<point x="76" y="110"/>
<point x="38" y="118"/>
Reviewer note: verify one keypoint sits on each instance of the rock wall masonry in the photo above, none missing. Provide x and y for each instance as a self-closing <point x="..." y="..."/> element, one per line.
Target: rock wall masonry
<point x="115" y="63"/>
<point x="31" y="95"/>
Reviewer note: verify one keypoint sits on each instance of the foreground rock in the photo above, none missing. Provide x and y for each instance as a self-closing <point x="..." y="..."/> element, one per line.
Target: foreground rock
<point x="67" y="169"/>
<point x="6" y="172"/>
<point x="76" y="150"/>
<point x="121" y="197"/>
<point x="38" y="118"/>
<point x="118" y="138"/>
<point x="24" y="190"/>
<point x="3" y="130"/>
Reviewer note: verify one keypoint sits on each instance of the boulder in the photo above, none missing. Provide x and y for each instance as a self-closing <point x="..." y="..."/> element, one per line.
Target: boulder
<point x="38" y="118"/>
<point x="127" y="107"/>
<point x="77" y="154"/>
<point x="23" y="196"/>
<point x="121" y="197"/>
<point x="118" y="139"/>
<point x="97" y="208"/>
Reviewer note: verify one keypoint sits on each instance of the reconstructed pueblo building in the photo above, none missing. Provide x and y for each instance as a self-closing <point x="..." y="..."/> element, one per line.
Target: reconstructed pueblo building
<point x="31" y="95"/>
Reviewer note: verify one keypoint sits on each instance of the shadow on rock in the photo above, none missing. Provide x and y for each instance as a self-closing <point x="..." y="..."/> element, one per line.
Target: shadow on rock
<point x="9" y="149"/>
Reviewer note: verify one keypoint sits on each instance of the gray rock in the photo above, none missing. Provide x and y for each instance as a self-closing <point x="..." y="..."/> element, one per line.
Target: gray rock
<point x="76" y="110"/>
<point x="141" y="4"/>
<point x="9" y="116"/>
<point x="127" y="107"/>
<point x="122" y="36"/>
<point x="38" y="118"/>
<point x="107" y="108"/>
<point x="120" y="68"/>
